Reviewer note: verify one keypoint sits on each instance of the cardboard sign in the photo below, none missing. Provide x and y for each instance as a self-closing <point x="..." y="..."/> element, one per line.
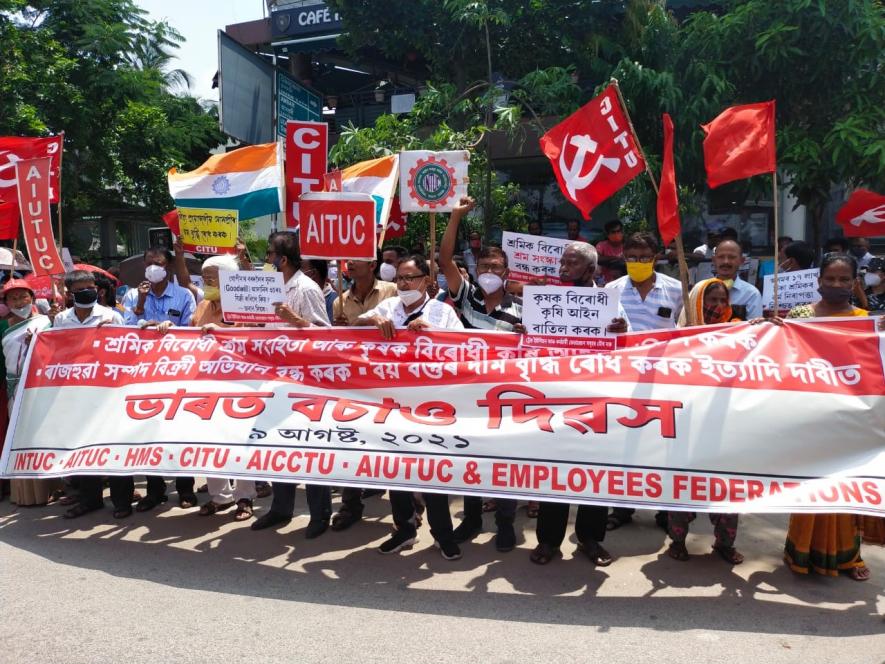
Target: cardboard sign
<point x="248" y="296"/>
<point x="338" y="226"/>
<point x="307" y="146"/>
<point x="432" y="181"/>
<point x="533" y="259"/>
<point x="332" y="181"/>
<point x="793" y="289"/>
<point x="571" y="316"/>
<point x="33" y="178"/>
<point x="208" y="231"/>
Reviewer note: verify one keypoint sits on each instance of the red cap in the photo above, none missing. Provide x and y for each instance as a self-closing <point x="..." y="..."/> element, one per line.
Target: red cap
<point x="13" y="284"/>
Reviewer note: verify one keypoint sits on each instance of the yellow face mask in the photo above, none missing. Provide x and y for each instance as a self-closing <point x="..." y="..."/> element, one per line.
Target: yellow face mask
<point x="212" y="293"/>
<point x="640" y="272"/>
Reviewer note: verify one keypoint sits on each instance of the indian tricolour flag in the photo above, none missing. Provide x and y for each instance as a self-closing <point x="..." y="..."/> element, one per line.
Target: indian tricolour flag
<point x="377" y="177"/>
<point x="249" y="180"/>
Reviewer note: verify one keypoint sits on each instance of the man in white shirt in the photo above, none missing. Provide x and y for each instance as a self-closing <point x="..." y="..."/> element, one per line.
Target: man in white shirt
<point x="87" y="313"/>
<point x="304" y="306"/>
<point x="745" y="299"/>
<point x="414" y="309"/>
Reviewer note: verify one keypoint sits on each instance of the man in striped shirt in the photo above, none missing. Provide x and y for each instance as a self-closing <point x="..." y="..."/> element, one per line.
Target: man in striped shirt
<point x="652" y="301"/>
<point x="487" y="307"/>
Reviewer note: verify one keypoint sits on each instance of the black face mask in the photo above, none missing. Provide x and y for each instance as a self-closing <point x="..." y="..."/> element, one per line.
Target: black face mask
<point x="834" y="294"/>
<point x="86" y="297"/>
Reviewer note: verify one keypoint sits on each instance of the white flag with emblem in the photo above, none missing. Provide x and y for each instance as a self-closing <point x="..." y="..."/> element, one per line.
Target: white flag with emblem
<point x="432" y="181"/>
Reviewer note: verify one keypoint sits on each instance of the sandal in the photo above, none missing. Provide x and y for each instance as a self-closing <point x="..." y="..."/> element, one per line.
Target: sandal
<point x="596" y="554"/>
<point x="188" y="500"/>
<point x="677" y="551"/>
<point x="55" y="496"/>
<point x="532" y="509"/>
<point x="150" y="502"/>
<point x="861" y="573"/>
<point x="543" y="554"/>
<point x="729" y="554"/>
<point x="122" y="514"/>
<point x="67" y="501"/>
<point x="615" y="521"/>
<point x="212" y="507"/>
<point x="344" y="518"/>
<point x="244" y="510"/>
<point x="489" y="505"/>
<point x="79" y="510"/>
<point x="263" y="491"/>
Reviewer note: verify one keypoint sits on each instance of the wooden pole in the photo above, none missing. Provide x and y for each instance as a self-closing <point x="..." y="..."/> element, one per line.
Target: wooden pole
<point x="777" y="232"/>
<point x="14" y="250"/>
<point x="680" y="248"/>
<point x="433" y="247"/>
<point x="340" y="286"/>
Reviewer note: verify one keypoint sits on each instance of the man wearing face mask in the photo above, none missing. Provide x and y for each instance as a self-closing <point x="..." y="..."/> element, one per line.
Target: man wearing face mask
<point x="85" y="313"/>
<point x="746" y="300"/>
<point x="158" y="300"/>
<point x="577" y="266"/>
<point x="414" y="309"/>
<point x="304" y="306"/>
<point x="874" y="280"/>
<point x="860" y="249"/>
<point x="487" y="307"/>
<point x="390" y="258"/>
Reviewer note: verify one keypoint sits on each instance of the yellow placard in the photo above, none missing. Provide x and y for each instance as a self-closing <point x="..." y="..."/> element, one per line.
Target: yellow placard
<point x="206" y="230"/>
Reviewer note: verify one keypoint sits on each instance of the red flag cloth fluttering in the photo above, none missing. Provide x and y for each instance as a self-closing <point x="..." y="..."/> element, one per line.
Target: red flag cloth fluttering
<point x="740" y="143"/>
<point x="171" y="220"/>
<point x="9" y="220"/>
<point x="863" y="214"/>
<point x="593" y="152"/>
<point x="668" y="200"/>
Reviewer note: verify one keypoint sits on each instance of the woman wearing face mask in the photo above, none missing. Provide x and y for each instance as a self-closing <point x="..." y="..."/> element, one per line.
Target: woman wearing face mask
<point x="829" y="543"/>
<point x="709" y="302"/>
<point x="24" y="321"/>
<point x="874" y="281"/>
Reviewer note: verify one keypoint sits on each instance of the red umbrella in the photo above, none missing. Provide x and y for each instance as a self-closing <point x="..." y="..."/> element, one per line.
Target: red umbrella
<point x="94" y="268"/>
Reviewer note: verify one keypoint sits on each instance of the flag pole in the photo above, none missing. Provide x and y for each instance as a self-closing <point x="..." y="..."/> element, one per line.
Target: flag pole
<point x="776" y="311"/>
<point x="14" y="250"/>
<point x="680" y="248"/>
<point x="433" y="246"/>
<point x="60" y="155"/>
<point x="340" y="286"/>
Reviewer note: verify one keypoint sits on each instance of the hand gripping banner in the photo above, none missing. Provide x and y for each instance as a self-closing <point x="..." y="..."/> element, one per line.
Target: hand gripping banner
<point x="732" y="418"/>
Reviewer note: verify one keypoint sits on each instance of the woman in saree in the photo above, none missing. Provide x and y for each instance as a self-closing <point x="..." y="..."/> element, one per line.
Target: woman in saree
<point x="23" y="323"/>
<point x="709" y="303"/>
<point x="830" y="543"/>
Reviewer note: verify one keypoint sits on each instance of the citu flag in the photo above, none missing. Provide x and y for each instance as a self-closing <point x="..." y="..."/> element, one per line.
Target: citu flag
<point x="668" y="200"/>
<point x="248" y="180"/>
<point x="863" y="214"/>
<point x="17" y="148"/>
<point x="593" y="152"/>
<point x="740" y="143"/>
<point x="171" y="221"/>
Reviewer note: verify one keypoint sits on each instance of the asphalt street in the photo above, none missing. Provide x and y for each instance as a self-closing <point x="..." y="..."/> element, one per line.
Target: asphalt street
<point x="172" y="586"/>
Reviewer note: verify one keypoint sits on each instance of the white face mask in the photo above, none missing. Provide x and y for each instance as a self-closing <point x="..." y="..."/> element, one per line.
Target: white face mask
<point x="154" y="273"/>
<point x="387" y="272"/>
<point x="872" y="279"/>
<point x="490" y="282"/>
<point x="22" y="312"/>
<point x="409" y="297"/>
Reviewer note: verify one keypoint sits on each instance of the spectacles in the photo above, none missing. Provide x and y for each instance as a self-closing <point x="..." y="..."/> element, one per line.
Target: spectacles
<point x="644" y="259"/>
<point x="409" y="278"/>
<point x="482" y="267"/>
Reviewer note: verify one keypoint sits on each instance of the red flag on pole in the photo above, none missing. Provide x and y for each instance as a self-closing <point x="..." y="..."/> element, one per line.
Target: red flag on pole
<point x="33" y="180"/>
<point x="740" y="143"/>
<point x="16" y="148"/>
<point x="863" y="214"/>
<point x="8" y="220"/>
<point x="171" y="220"/>
<point x="593" y="152"/>
<point x="668" y="201"/>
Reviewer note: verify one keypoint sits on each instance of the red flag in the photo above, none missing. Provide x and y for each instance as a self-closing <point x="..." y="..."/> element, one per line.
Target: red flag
<point x="396" y="222"/>
<point x="8" y="220"/>
<point x="740" y="143"/>
<point x="16" y="148"/>
<point x="33" y="180"/>
<point x="863" y="214"/>
<point x="668" y="201"/>
<point x="593" y="152"/>
<point x="171" y="220"/>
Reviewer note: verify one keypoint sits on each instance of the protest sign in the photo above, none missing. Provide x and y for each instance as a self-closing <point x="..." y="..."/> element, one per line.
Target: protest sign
<point x="208" y="231"/>
<point x="681" y="425"/>
<point x="67" y="260"/>
<point x="33" y="177"/>
<point x="793" y="289"/>
<point x="432" y="181"/>
<point x="533" y="259"/>
<point x="248" y="296"/>
<point x="338" y="226"/>
<point x="569" y="316"/>
<point x="307" y="147"/>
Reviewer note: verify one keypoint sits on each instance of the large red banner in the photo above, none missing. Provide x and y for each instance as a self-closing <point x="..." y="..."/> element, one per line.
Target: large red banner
<point x="16" y="148"/>
<point x="307" y="147"/>
<point x="33" y="180"/>
<point x="338" y="226"/>
<point x="593" y="152"/>
<point x="683" y="420"/>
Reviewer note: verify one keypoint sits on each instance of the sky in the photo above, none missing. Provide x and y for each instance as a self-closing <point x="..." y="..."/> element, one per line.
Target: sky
<point x="199" y="21"/>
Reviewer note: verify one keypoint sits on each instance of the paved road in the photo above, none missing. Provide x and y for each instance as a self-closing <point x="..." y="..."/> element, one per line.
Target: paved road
<point x="175" y="587"/>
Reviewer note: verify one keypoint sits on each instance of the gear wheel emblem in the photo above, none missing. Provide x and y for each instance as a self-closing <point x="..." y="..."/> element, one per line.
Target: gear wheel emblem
<point x="432" y="182"/>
